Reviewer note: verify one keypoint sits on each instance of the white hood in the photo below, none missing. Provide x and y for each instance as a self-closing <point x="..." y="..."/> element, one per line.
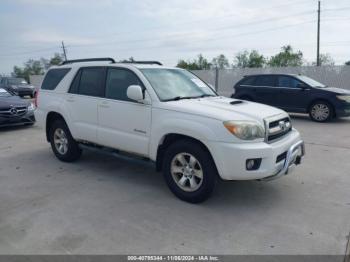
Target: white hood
<point x="221" y="109"/>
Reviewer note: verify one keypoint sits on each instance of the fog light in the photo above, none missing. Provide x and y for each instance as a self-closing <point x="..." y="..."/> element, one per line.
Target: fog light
<point x="253" y="164"/>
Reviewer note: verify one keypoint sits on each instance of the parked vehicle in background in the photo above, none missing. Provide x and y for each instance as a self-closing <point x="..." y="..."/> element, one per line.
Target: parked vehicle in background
<point x="295" y="93"/>
<point x="166" y="115"/>
<point x="17" y="86"/>
<point x="15" y="110"/>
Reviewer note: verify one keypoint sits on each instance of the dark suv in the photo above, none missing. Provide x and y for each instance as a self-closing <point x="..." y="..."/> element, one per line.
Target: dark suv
<point x="295" y="93"/>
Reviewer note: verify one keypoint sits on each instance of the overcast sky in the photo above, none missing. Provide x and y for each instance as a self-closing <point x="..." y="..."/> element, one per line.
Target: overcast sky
<point x="169" y="30"/>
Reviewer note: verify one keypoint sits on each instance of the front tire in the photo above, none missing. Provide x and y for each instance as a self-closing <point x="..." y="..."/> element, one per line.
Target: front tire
<point x="63" y="144"/>
<point x="321" y="111"/>
<point x="189" y="171"/>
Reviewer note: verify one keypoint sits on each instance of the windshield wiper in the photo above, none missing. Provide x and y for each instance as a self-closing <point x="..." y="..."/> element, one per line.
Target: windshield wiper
<point x="176" y="98"/>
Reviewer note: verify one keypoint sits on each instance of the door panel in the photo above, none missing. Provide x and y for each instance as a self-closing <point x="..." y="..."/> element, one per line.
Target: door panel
<point x="292" y="97"/>
<point x="265" y="90"/>
<point x="123" y="124"/>
<point x="81" y="102"/>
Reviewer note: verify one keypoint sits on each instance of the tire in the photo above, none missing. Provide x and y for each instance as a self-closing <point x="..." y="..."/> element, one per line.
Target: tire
<point x="59" y="134"/>
<point x="194" y="177"/>
<point x="321" y="111"/>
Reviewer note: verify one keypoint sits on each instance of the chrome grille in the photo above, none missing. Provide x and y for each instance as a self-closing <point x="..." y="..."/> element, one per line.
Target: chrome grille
<point x="13" y="112"/>
<point x="277" y="127"/>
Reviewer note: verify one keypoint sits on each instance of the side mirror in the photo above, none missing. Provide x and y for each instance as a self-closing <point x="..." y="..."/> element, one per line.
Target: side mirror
<point x="134" y="92"/>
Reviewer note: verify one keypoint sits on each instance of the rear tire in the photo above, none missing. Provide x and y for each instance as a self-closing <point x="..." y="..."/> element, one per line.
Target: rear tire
<point x="63" y="144"/>
<point x="189" y="171"/>
<point x="321" y="111"/>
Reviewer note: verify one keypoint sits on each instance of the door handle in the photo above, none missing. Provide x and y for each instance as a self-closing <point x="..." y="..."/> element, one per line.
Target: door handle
<point x="70" y="99"/>
<point x="104" y="104"/>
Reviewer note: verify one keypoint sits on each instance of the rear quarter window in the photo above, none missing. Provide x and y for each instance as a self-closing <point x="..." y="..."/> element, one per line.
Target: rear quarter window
<point x="248" y="81"/>
<point x="53" y="78"/>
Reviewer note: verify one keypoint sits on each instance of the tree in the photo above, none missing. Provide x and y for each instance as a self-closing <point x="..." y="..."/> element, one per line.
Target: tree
<point x="31" y="67"/>
<point x="220" y="62"/>
<point x="249" y="59"/>
<point x="287" y="57"/>
<point x="200" y="63"/>
<point x="347" y="63"/>
<point x="36" y="67"/>
<point x="325" y="59"/>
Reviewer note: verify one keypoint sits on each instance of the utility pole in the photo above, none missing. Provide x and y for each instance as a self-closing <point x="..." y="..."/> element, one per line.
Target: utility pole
<point x="64" y="51"/>
<point x="318" y="33"/>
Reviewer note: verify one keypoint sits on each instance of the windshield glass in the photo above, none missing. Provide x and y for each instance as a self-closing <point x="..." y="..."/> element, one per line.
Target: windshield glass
<point x="311" y="82"/>
<point x="3" y="93"/>
<point x="173" y="84"/>
<point x="17" y="81"/>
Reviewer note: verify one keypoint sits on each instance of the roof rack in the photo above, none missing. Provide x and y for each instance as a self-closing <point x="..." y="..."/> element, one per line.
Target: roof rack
<point x="143" y="62"/>
<point x="88" y="60"/>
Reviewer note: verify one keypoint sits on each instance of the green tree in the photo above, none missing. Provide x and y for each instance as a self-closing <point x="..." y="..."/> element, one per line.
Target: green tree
<point x="220" y="62"/>
<point x="325" y="59"/>
<point x="31" y="67"/>
<point x="201" y="63"/>
<point x="249" y="59"/>
<point x="287" y="57"/>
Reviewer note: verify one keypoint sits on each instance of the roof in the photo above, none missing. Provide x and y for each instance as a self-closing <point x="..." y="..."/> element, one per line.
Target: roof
<point x="273" y="74"/>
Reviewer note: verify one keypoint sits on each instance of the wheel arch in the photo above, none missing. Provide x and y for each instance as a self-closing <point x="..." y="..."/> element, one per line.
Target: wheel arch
<point x="50" y="118"/>
<point x="320" y="99"/>
<point x="169" y="139"/>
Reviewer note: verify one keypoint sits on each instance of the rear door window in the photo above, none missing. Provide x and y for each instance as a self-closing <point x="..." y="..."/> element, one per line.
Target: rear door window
<point x="53" y="78"/>
<point x="248" y="81"/>
<point x="268" y="80"/>
<point x="89" y="81"/>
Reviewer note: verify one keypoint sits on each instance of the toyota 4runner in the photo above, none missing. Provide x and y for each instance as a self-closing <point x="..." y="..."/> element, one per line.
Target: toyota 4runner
<point x="168" y="116"/>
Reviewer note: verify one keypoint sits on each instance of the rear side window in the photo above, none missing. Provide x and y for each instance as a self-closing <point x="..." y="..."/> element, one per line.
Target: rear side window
<point x="89" y="81"/>
<point x="53" y="78"/>
<point x="249" y="80"/>
<point x="265" y="81"/>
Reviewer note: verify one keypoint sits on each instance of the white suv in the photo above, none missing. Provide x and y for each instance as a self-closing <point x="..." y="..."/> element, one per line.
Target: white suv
<point x="168" y="116"/>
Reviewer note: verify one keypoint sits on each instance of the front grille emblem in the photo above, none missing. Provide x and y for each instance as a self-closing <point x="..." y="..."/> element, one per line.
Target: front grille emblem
<point x="13" y="111"/>
<point x="282" y="125"/>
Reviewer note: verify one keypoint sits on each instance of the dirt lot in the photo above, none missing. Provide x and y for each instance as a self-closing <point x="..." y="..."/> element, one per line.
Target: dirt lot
<point x="103" y="204"/>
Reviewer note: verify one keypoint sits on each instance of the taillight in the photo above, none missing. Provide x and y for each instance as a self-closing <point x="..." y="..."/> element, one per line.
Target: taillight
<point x="36" y="98"/>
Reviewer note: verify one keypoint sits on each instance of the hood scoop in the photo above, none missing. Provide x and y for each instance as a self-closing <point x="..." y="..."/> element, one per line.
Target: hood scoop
<point x="236" y="102"/>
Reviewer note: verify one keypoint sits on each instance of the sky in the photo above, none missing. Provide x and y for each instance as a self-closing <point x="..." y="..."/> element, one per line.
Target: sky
<point x="169" y="30"/>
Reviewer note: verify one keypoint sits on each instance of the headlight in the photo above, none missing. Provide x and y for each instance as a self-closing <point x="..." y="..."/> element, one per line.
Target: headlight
<point x="246" y="130"/>
<point x="344" y="98"/>
<point x="31" y="107"/>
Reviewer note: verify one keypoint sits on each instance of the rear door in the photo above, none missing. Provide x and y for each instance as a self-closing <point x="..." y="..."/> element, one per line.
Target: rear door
<point x="123" y="124"/>
<point x="292" y="97"/>
<point x="86" y="91"/>
<point x="265" y="90"/>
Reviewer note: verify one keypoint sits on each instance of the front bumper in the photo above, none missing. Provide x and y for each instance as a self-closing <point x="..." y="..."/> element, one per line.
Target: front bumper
<point x="343" y="110"/>
<point x="230" y="158"/>
<point x="26" y="119"/>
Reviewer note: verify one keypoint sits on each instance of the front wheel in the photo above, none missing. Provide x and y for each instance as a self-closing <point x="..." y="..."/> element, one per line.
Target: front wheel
<point x="189" y="171"/>
<point x="321" y="111"/>
<point x="62" y="143"/>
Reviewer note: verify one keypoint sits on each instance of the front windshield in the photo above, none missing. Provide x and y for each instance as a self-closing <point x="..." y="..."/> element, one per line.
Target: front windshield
<point x="311" y="82"/>
<point x="17" y="81"/>
<point x="3" y="93"/>
<point x="174" y="84"/>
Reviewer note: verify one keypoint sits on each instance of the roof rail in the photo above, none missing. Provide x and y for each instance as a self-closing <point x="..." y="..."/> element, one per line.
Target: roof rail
<point x="88" y="60"/>
<point x="143" y="62"/>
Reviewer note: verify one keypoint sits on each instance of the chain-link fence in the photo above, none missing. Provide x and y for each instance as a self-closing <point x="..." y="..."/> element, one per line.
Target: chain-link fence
<point x="336" y="76"/>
